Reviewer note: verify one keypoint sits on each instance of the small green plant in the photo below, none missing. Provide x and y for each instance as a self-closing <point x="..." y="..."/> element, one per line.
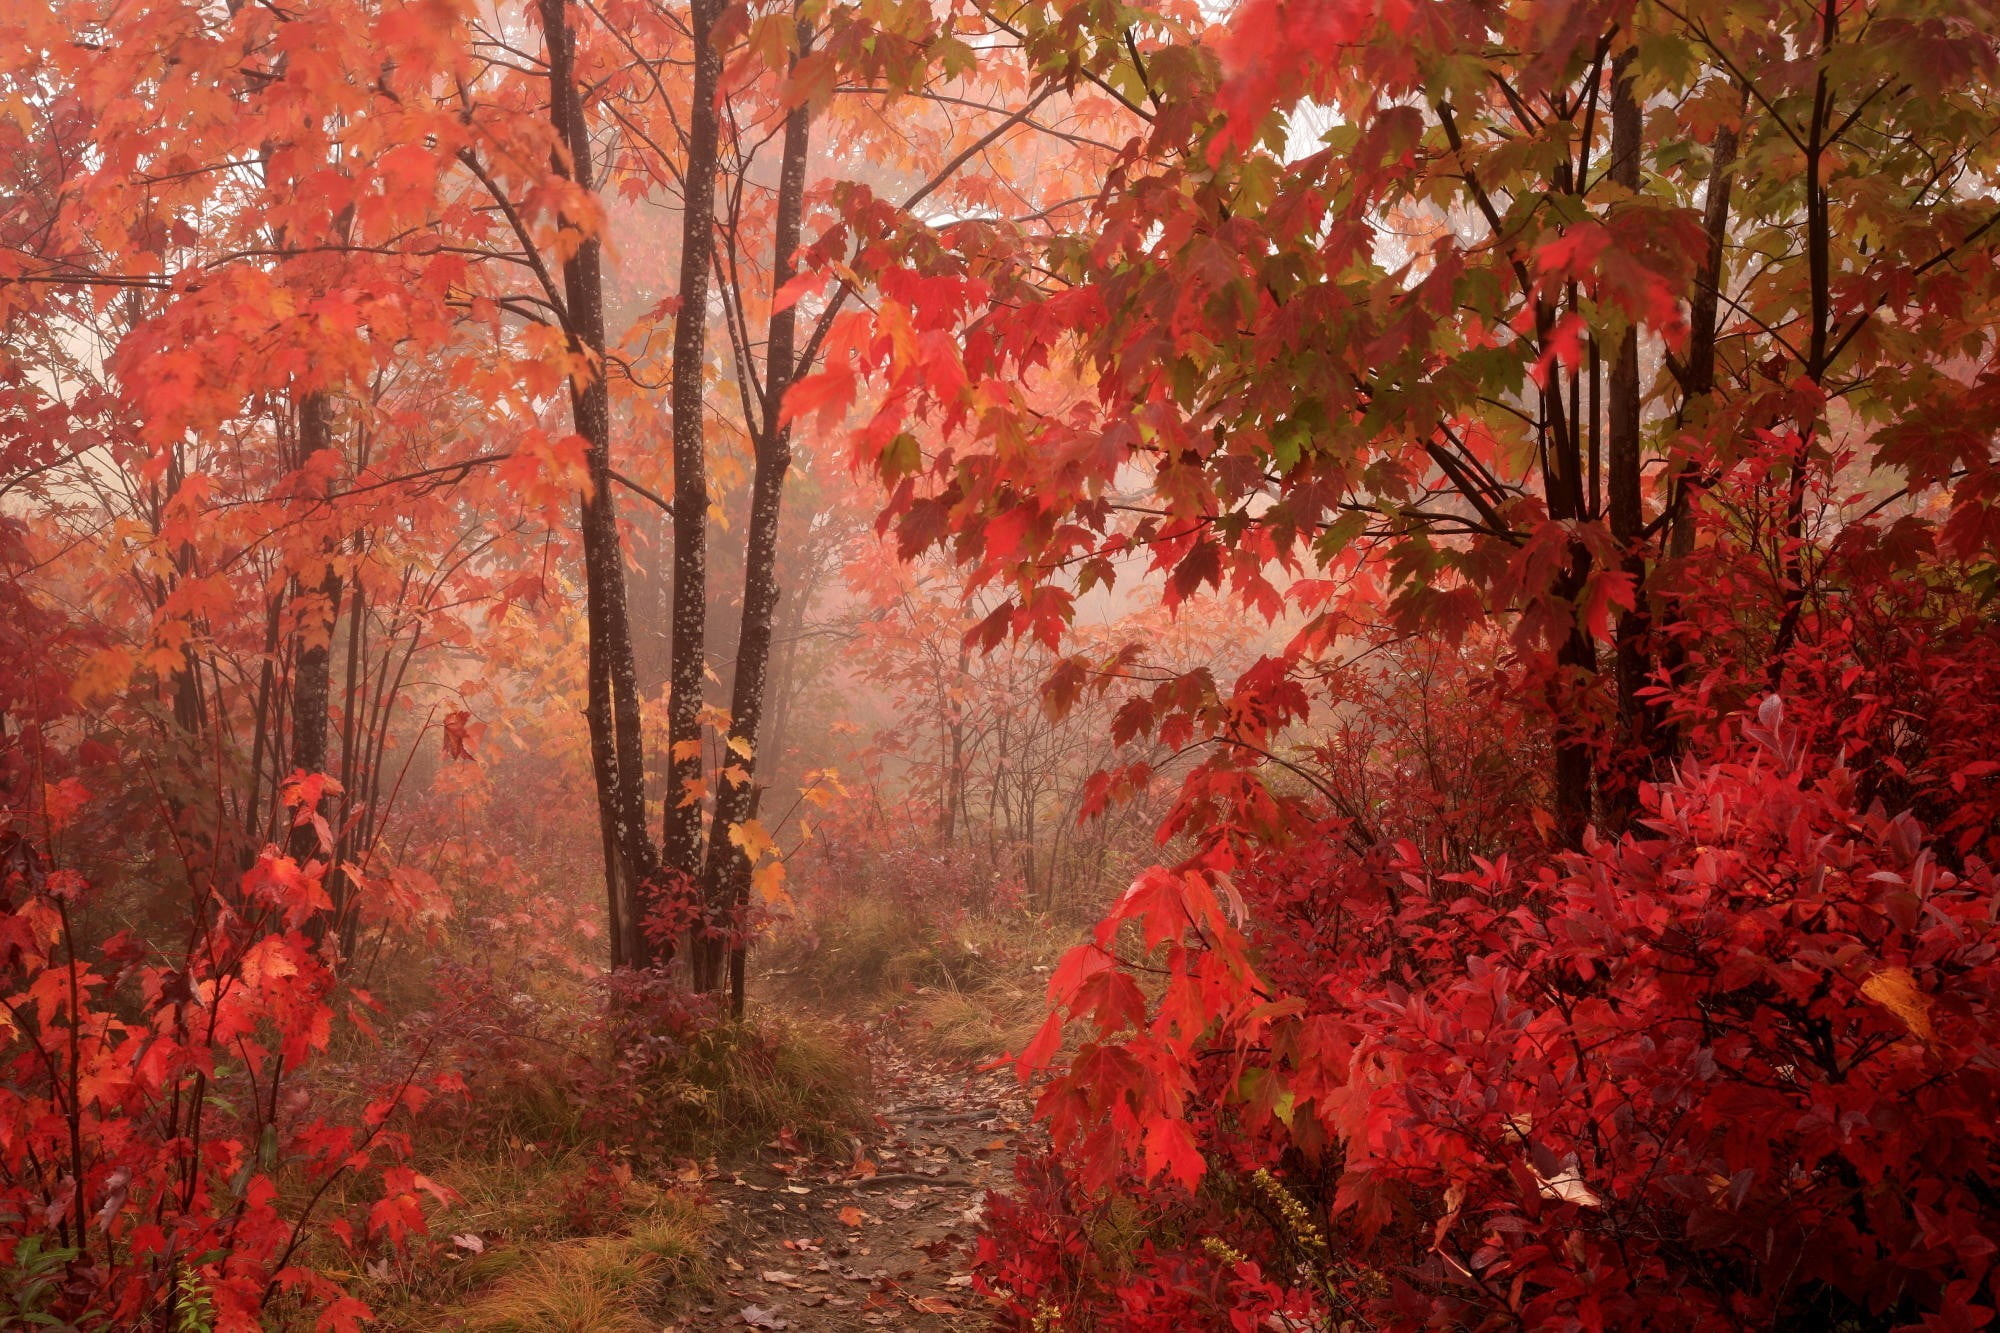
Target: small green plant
<point x="28" y="1284"/>
<point x="194" y="1309"/>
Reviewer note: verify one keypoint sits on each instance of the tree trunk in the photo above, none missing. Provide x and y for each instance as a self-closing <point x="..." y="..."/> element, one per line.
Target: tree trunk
<point x="339" y="889"/>
<point x="313" y="677"/>
<point x="1632" y="761"/>
<point x="1818" y="355"/>
<point x="1576" y="655"/>
<point x="681" y="823"/>
<point x="253" y="812"/>
<point x="784" y="681"/>
<point x="616" y="744"/>
<point x="726" y="885"/>
<point x="1697" y="382"/>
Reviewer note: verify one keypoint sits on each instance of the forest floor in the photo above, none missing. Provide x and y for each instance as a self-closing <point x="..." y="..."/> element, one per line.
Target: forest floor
<point x="839" y="1150"/>
<point x="884" y="1240"/>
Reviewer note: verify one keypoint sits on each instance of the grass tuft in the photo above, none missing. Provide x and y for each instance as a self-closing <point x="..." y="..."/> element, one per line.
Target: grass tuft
<point x="743" y="1082"/>
<point x="979" y="1025"/>
<point x="614" y="1283"/>
<point x="873" y="945"/>
<point x="973" y="988"/>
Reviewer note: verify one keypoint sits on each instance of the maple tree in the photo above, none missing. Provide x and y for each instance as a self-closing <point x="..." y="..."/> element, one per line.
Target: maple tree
<point x="127" y="1142"/>
<point x="1353" y="375"/>
<point x="1607" y="342"/>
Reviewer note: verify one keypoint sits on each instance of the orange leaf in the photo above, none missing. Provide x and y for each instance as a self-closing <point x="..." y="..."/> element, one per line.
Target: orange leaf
<point x="1896" y="990"/>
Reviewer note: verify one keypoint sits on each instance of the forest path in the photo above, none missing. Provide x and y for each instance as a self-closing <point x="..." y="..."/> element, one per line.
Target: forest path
<point x="885" y="1241"/>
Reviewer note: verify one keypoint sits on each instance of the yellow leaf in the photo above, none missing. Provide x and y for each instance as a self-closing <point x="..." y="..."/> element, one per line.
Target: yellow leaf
<point x="769" y="881"/>
<point x="751" y="837"/>
<point x="741" y="747"/>
<point x="1896" y="990"/>
<point x="105" y="673"/>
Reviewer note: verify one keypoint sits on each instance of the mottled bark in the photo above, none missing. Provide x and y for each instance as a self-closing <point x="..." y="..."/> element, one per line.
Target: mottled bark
<point x="681" y="823"/>
<point x="612" y="707"/>
<point x="312" y="672"/>
<point x="726" y="881"/>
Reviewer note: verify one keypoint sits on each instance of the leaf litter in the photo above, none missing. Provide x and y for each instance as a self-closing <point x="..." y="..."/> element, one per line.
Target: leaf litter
<point x="883" y="1240"/>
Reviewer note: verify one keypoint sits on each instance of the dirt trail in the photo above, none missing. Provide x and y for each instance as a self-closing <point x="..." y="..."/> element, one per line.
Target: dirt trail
<point x="815" y="1246"/>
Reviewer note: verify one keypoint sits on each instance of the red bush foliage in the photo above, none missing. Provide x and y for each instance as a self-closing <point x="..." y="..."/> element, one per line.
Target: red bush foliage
<point x="154" y="1140"/>
<point x="1737" y="1069"/>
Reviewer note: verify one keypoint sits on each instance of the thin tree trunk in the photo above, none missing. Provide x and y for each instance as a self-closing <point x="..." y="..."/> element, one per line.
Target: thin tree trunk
<point x="1632" y="761"/>
<point x="681" y="822"/>
<point x="726" y="887"/>
<point x="1697" y="382"/>
<point x="338" y="887"/>
<point x="189" y="712"/>
<point x="617" y="745"/>
<point x="1819" y="277"/>
<point x="1576" y="655"/>
<point x="313" y="678"/>
<point x="784" y="683"/>
<point x="265" y="682"/>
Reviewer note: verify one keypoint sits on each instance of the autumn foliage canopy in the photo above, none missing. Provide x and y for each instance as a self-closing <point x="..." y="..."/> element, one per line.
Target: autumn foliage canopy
<point x="1642" y="354"/>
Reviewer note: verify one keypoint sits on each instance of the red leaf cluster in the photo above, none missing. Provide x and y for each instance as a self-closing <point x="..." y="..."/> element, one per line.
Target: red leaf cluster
<point x="1734" y="1069"/>
<point x="143" y="1095"/>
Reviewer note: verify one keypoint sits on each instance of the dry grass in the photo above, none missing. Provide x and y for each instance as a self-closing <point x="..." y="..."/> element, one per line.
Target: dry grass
<point x="535" y="1277"/>
<point x="576" y="1234"/>
<point x="599" y="1284"/>
<point x="740" y="1083"/>
<point x="973" y="990"/>
<point x="789" y="1073"/>
<point x="978" y="1025"/>
<point x="872" y="946"/>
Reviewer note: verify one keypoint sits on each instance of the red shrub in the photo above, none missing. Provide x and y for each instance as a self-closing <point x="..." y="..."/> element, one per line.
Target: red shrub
<point x="153" y="1142"/>
<point x="1738" y="1069"/>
